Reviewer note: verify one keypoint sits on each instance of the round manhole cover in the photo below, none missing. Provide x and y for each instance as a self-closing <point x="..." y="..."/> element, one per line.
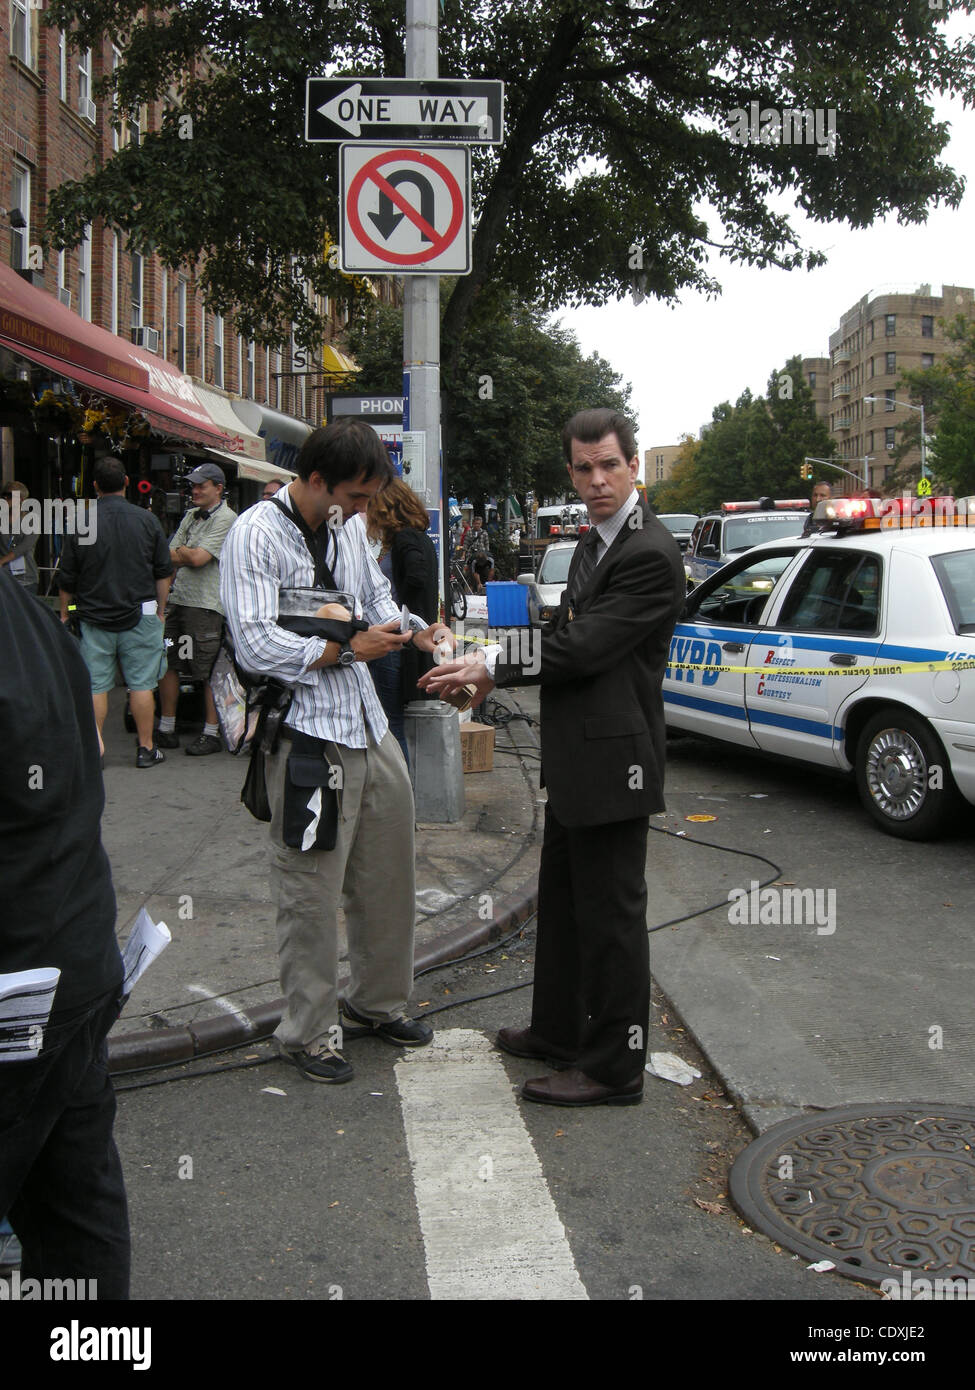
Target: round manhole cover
<point x="877" y="1189"/>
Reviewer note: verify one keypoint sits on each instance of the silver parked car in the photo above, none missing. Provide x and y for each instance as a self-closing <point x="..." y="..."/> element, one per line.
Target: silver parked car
<point x="545" y="588"/>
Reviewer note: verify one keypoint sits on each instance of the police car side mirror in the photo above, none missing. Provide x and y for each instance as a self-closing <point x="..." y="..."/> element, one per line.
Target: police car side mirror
<point x="709" y="550"/>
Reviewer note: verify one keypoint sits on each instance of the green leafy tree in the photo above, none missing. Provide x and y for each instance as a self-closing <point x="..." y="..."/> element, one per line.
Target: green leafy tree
<point x="947" y="392"/>
<point x="512" y="389"/>
<point x="756" y="447"/>
<point x="623" y="120"/>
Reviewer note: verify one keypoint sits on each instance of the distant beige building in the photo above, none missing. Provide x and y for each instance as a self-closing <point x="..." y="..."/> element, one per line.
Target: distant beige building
<point x="658" y="463"/>
<point x="881" y="336"/>
<point x="816" y="372"/>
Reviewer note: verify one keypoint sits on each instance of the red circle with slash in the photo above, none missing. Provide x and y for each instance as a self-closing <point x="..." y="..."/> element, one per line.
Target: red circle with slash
<point x="372" y="170"/>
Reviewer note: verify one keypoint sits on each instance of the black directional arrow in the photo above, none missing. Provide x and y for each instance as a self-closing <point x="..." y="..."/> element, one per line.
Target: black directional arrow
<point x="387" y="219"/>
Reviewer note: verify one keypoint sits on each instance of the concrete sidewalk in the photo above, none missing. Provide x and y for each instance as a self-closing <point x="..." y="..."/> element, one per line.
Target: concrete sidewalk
<point x="182" y="846"/>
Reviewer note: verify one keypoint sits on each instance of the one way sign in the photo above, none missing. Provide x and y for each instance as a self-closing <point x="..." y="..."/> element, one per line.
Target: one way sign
<point x="404" y="109"/>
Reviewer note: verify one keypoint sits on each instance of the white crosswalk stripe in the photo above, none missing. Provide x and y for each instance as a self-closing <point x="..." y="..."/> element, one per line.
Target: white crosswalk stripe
<point x="490" y="1227"/>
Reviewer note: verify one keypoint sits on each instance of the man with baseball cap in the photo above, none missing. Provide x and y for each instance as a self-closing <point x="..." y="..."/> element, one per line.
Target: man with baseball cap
<point x="194" y="621"/>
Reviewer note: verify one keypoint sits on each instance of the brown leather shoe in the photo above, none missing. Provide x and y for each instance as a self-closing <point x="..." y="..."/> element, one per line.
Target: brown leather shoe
<point x="521" y="1042"/>
<point x="575" y="1088"/>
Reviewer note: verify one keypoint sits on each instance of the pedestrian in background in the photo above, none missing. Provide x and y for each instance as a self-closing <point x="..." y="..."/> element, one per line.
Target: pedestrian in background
<point x="194" y="622"/>
<point x="118" y="578"/>
<point x="17" y="550"/>
<point x="398" y="520"/>
<point x="270" y="489"/>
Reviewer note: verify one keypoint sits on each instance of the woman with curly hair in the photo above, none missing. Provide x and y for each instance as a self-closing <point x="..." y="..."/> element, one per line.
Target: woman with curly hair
<point x="398" y="520"/>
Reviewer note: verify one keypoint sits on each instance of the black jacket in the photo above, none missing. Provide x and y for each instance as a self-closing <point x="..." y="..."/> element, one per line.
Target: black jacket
<point x="414" y="564"/>
<point x="602" y="661"/>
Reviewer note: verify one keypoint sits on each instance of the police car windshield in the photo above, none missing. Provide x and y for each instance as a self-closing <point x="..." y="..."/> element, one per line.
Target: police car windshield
<point x="742" y="532"/>
<point x="554" y="568"/>
<point x="676" y="523"/>
<point x="956" y="574"/>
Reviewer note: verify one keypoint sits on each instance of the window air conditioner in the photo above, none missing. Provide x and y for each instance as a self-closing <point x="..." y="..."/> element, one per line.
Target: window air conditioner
<point x="147" y="338"/>
<point x="86" y="108"/>
<point x="65" y="297"/>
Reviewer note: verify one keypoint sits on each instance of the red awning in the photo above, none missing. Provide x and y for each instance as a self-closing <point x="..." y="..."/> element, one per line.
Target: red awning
<point x="45" y="331"/>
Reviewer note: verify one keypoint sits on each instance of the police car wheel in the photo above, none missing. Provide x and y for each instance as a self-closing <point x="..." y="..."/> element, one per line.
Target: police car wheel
<point x="903" y="777"/>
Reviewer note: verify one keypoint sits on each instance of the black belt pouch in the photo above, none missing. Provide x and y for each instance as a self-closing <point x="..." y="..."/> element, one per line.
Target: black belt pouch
<point x="311" y="804"/>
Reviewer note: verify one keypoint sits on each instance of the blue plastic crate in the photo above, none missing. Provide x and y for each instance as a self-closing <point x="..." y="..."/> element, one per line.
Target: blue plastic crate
<point x="507" y="604"/>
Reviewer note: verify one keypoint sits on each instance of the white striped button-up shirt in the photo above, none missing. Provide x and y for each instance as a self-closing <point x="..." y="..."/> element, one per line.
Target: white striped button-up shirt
<point x="264" y="553"/>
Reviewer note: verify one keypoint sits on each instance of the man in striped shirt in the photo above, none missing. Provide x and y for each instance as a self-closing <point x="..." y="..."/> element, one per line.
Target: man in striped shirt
<point x="335" y="715"/>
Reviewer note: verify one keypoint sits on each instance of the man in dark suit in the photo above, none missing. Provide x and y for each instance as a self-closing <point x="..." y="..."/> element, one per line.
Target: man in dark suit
<point x="601" y="666"/>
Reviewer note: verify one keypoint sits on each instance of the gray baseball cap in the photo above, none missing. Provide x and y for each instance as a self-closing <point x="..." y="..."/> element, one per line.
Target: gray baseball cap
<point x="207" y="473"/>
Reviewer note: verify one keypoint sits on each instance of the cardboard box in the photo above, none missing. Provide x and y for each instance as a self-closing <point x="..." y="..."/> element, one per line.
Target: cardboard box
<point x="477" y="747"/>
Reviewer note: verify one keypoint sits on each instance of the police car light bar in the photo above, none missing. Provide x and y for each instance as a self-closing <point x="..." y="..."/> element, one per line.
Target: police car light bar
<point x="788" y="505"/>
<point x="904" y="513"/>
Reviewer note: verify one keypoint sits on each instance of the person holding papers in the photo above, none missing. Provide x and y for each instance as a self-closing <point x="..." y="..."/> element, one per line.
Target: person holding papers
<point x="61" y="1179"/>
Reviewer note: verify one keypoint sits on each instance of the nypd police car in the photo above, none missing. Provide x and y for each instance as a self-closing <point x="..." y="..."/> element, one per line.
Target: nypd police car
<point x="858" y="649"/>
<point x="719" y="536"/>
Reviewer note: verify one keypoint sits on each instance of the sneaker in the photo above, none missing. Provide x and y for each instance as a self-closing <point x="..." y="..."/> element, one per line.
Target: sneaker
<point x="148" y="757"/>
<point x="329" y="1067"/>
<point x="401" y="1032"/>
<point x="166" y="740"/>
<point x="206" y="743"/>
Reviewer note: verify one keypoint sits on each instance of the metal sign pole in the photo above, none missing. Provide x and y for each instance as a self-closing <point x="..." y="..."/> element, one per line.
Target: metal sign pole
<point x="421" y="310"/>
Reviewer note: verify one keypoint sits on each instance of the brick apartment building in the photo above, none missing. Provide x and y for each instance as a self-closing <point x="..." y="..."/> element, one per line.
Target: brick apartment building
<point x="879" y="337"/>
<point x="101" y="325"/>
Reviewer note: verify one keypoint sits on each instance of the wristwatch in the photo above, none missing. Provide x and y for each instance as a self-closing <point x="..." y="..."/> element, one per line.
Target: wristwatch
<point x="346" y="655"/>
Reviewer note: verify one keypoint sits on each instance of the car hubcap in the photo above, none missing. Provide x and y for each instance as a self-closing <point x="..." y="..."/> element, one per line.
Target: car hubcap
<point x="896" y="774"/>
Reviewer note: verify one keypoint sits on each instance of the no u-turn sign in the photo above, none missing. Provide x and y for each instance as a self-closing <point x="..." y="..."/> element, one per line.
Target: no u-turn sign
<point x="405" y="211"/>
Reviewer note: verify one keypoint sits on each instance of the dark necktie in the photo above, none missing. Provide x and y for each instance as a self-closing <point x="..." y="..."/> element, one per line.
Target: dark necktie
<point x="587" y="562"/>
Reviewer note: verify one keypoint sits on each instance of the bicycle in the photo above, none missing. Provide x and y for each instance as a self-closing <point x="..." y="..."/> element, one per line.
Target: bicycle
<point x="459" y="589"/>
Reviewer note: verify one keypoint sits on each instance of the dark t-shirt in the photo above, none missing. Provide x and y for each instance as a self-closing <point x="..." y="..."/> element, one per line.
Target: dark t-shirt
<point x="57" y="904"/>
<point x="115" y="575"/>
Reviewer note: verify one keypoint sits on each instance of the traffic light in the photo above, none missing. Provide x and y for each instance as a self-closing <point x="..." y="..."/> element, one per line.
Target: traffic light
<point x="805" y="471"/>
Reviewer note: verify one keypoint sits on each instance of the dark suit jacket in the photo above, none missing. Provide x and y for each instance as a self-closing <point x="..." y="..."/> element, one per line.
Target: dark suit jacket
<point x="602" y="663"/>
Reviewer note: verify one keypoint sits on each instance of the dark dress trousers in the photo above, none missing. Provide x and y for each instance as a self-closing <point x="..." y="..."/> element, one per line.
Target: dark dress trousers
<point x="603" y="749"/>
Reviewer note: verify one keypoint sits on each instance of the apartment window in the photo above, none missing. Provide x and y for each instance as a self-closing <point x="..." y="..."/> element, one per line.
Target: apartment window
<point x="889" y="403"/>
<point x="62" y="65"/>
<point x="870" y="441"/>
<point x="927" y="325"/>
<point x="871" y="368"/>
<point x="84" y="274"/>
<point x="181" y="324"/>
<point x="812" y="381"/>
<point x="86" y="107"/>
<point x="116" y="61"/>
<point x="218" y="349"/>
<point x="137" y="268"/>
<point x="889" y="438"/>
<point x="63" y="276"/>
<point x="891" y="362"/>
<point x="267" y="376"/>
<point x="20" y="202"/>
<point x="927" y="359"/>
<point x="871" y="329"/>
<point x="115" y="268"/>
<point x="21" y="45"/>
<point x="890" y="325"/>
<point x="165" y="313"/>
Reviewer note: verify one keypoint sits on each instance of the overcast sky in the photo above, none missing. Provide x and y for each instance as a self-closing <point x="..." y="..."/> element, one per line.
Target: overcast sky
<point x="685" y="360"/>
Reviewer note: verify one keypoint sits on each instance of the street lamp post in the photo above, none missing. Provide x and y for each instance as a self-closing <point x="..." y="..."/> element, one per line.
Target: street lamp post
<point x="920" y="409"/>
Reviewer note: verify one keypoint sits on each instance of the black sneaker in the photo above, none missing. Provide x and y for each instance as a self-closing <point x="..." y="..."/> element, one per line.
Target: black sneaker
<point x="401" y="1032"/>
<point x="329" y="1067"/>
<point x="166" y="740"/>
<point x="206" y="743"/>
<point x="148" y="757"/>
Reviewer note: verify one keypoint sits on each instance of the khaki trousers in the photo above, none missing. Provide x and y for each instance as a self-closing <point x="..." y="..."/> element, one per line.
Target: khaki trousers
<point x="370" y="872"/>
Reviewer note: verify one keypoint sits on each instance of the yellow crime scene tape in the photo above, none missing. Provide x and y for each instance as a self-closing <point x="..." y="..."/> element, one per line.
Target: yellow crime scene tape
<point x="900" y="668"/>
